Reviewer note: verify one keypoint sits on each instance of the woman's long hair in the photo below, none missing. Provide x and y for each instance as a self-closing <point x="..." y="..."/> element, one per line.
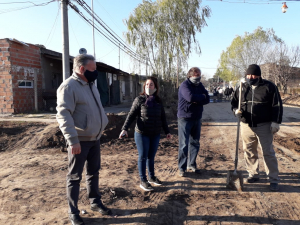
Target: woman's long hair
<point x="154" y="79"/>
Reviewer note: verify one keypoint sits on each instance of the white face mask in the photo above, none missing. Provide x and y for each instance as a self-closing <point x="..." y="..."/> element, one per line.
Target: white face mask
<point x="195" y="80"/>
<point x="150" y="91"/>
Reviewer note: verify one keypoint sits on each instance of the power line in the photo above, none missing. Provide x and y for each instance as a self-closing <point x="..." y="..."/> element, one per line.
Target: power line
<point x="8" y="3"/>
<point x="54" y="24"/>
<point x="102" y="23"/>
<point x="98" y="2"/>
<point x="108" y="36"/>
<point x="26" y="7"/>
<point x="107" y="32"/>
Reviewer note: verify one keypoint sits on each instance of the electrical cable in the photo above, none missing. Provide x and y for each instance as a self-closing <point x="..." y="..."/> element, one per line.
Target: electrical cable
<point x="110" y="31"/>
<point x="54" y="24"/>
<point x="26" y="7"/>
<point x="101" y="32"/>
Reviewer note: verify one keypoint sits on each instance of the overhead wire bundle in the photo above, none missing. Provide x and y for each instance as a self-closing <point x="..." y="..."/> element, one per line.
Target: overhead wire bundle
<point x="105" y="30"/>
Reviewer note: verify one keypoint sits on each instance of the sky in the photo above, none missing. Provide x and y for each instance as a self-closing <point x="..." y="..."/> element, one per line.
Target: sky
<point x="42" y="25"/>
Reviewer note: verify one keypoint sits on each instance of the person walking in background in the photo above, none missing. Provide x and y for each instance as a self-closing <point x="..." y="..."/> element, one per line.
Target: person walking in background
<point x="261" y="113"/>
<point x="191" y="98"/>
<point x="149" y="112"/>
<point x="231" y="91"/>
<point x="82" y="120"/>
<point x="227" y="93"/>
<point x="220" y="93"/>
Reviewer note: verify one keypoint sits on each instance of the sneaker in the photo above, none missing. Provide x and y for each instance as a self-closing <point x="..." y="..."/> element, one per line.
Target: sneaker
<point x="146" y="186"/>
<point x="194" y="169"/>
<point x="251" y="180"/>
<point x="99" y="207"/>
<point x="76" y="219"/>
<point x="274" y="187"/>
<point x="181" y="173"/>
<point x="155" y="180"/>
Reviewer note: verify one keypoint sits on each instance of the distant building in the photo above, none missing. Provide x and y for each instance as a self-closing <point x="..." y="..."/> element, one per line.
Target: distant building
<point x="294" y="81"/>
<point x="21" y="63"/>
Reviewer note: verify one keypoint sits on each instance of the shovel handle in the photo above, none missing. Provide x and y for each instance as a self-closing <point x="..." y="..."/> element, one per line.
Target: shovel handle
<point x="238" y="130"/>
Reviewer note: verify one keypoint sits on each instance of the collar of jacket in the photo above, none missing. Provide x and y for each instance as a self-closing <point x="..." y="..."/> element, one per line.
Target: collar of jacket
<point x="76" y="77"/>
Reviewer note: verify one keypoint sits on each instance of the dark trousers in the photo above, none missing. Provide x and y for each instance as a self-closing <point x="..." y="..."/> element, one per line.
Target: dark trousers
<point x="89" y="156"/>
<point x="189" y="142"/>
<point x="147" y="148"/>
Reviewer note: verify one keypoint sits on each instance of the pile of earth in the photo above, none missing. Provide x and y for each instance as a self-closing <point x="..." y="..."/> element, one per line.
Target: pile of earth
<point x="42" y="135"/>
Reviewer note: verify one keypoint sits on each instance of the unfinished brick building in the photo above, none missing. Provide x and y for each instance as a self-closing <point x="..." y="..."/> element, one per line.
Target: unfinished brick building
<point x="30" y="75"/>
<point x="20" y="63"/>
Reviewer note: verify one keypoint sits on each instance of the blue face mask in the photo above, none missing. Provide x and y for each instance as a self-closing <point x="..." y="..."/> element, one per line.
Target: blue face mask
<point x="91" y="76"/>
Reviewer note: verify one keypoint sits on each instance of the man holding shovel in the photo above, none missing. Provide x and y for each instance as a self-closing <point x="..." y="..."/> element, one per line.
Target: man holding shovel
<point x="260" y="114"/>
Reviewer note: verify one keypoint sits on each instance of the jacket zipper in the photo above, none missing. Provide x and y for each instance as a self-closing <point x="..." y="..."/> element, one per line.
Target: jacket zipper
<point x="253" y="90"/>
<point x="91" y="88"/>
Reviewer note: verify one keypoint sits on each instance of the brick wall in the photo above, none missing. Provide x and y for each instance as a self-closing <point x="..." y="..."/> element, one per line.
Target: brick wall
<point x="6" y="96"/>
<point x="24" y="61"/>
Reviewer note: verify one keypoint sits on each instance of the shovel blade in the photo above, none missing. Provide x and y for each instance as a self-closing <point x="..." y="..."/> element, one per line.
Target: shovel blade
<point x="235" y="180"/>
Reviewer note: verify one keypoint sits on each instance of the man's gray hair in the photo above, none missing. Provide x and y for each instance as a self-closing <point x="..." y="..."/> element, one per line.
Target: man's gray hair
<point x="81" y="60"/>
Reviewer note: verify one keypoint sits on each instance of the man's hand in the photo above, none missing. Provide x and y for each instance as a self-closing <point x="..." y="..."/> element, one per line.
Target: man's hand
<point x="274" y="127"/>
<point x="75" y="149"/>
<point x="169" y="136"/>
<point x="238" y="113"/>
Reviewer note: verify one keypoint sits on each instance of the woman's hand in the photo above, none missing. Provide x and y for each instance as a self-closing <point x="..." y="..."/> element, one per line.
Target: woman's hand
<point x="123" y="134"/>
<point x="169" y="136"/>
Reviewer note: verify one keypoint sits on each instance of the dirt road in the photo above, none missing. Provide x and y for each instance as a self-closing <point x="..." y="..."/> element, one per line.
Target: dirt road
<point x="32" y="178"/>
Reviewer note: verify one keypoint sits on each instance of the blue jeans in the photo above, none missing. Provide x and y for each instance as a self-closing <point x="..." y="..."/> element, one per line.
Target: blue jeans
<point x="147" y="148"/>
<point x="189" y="142"/>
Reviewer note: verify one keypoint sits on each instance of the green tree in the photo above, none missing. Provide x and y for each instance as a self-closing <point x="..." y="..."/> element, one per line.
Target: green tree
<point x="251" y="48"/>
<point x="164" y="31"/>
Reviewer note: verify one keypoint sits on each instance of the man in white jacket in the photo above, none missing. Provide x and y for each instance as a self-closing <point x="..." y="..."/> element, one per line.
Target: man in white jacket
<point x="82" y="119"/>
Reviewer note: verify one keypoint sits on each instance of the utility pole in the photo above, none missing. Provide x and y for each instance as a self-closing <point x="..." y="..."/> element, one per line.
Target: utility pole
<point x="93" y="30"/>
<point x="65" y="39"/>
<point x="119" y="55"/>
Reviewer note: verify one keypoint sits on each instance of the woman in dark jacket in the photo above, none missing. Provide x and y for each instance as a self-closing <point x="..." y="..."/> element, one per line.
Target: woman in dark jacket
<point x="150" y="114"/>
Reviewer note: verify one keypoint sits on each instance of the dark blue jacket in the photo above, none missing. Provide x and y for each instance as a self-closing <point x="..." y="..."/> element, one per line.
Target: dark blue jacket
<point x="191" y="99"/>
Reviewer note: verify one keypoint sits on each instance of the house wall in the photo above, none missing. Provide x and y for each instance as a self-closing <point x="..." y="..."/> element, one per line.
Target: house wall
<point x="6" y="93"/>
<point x="25" y="64"/>
<point x="52" y="73"/>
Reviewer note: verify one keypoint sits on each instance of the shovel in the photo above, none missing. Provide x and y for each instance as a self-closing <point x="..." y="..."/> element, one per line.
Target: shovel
<point x="234" y="177"/>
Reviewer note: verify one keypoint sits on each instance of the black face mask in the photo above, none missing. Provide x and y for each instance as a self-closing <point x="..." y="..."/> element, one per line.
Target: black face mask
<point x="252" y="81"/>
<point x="91" y="76"/>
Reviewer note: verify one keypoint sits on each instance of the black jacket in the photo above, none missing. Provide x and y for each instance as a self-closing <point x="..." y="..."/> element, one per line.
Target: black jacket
<point x="259" y="105"/>
<point x="150" y="120"/>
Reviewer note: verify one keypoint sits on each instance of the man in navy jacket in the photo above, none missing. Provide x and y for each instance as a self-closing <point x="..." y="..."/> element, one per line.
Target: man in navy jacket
<point x="191" y="98"/>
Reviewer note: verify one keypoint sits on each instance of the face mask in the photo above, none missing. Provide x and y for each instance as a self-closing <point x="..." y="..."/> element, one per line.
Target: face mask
<point x="150" y="91"/>
<point x="195" y="80"/>
<point x="91" y="76"/>
<point x="252" y="81"/>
